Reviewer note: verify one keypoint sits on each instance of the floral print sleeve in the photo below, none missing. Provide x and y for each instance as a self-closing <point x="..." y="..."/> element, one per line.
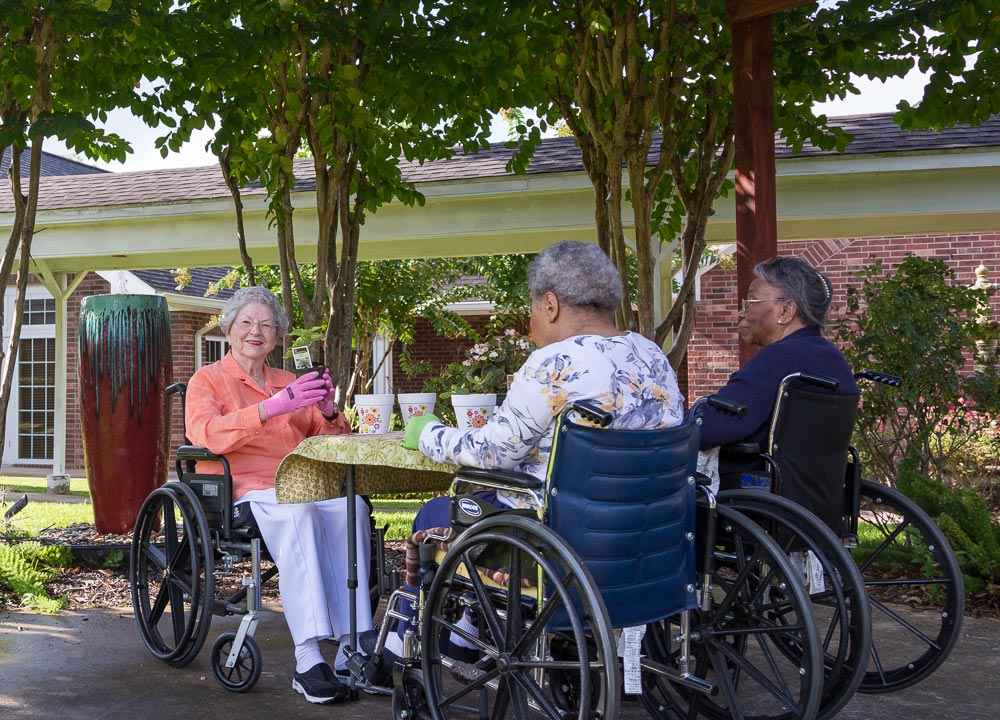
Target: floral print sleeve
<point x="627" y="375"/>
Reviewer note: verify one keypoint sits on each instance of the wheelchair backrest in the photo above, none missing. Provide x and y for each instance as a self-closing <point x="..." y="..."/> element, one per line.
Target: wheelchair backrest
<point x="625" y="502"/>
<point x="810" y="441"/>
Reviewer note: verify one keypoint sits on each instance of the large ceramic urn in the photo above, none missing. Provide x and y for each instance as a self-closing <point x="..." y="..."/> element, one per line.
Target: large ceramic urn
<point x="125" y="366"/>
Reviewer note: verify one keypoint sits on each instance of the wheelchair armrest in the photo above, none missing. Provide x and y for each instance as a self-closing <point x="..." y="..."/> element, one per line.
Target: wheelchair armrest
<point x="193" y="452"/>
<point x="742" y="448"/>
<point x="511" y="478"/>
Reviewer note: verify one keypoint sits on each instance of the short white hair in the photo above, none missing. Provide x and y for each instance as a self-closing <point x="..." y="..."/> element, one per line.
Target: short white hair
<point x="578" y="273"/>
<point x="248" y="296"/>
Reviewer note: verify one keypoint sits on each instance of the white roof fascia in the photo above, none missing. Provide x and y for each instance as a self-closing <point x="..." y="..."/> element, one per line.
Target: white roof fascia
<point x="541" y="183"/>
<point x="471" y="307"/>
<point x="178" y="301"/>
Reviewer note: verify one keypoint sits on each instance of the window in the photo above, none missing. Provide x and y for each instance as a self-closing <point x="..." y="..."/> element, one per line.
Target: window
<point x="40" y="311"/>
<point x="36" y="362"/>
<point x="213" y="350"/>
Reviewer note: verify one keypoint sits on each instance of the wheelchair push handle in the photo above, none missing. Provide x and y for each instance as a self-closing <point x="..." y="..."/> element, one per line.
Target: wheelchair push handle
<point x="879" y="377"/>
<point x="727" y="406"/>
<point x="818" y="381"/>
<point x="591" y="411"/>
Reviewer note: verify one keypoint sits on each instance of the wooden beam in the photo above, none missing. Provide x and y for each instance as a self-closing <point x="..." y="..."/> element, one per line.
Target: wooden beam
<point x="743" y="10"/>
<point x="756" y="205"/>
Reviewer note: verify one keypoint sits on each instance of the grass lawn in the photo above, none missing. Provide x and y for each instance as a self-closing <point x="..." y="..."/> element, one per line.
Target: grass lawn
<point x="37" y="516"/>
<point x="11" y="484"/>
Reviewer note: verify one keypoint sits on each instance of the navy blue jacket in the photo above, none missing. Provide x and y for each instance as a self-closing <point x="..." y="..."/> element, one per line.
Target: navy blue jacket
<point x="756" y="386"/>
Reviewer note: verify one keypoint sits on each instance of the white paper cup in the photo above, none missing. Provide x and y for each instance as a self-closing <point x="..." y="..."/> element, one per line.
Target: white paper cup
<point x="473" y="411"/>
<point x="413" y="405"/>
<point x="374" y="412"/>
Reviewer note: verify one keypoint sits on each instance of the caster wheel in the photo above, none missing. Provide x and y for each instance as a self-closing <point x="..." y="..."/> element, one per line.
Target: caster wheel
<point x="409" y="701"/>
<point x="245" y="673"/>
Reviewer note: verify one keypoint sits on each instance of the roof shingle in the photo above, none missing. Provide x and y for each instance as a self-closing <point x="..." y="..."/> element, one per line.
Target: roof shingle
<point x="201" y="278"/>
<point x="52" y="165"/>
<point x="871" y="134"/>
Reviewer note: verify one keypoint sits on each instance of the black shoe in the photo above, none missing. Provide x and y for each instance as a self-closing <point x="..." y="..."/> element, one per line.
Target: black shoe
<point x="319" y="685"/>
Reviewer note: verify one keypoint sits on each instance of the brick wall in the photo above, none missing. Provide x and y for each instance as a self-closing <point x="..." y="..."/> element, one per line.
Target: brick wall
<point x="183" y="326"/>
<point x="712" y="352"/>
<point x="429" y="347"/>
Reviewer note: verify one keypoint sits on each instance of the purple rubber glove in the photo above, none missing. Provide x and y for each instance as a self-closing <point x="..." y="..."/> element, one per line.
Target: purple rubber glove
<point x="305" y="391"/>
<point x="328" y="405"/>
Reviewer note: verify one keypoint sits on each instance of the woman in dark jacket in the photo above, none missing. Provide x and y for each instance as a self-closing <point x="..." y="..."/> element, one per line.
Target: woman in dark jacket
<point x="783" y="314"/>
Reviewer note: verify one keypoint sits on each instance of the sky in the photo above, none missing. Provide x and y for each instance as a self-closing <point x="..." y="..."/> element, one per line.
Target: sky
<point x="875" y="97"/>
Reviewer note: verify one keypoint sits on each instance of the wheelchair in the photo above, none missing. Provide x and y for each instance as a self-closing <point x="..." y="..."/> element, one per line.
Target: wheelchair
<point x="622" y="538"/>
<point x="187" y="533"/>
<point x="909" y="574"/>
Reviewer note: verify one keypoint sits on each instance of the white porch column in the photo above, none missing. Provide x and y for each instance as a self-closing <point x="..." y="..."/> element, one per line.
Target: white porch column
<point x="382" y="376"/>
<point x="60" y="289"/>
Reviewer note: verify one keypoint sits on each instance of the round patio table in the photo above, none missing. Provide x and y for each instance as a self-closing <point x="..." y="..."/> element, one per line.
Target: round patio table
<point x="332" y="466"/>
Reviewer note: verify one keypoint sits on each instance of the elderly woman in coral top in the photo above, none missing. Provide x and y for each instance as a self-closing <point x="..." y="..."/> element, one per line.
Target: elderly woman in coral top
<point x="254" y="414"/>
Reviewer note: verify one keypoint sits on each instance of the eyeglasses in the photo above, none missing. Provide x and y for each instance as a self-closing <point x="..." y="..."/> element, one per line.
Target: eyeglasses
<point x="267" y="328"/>
<point x="747" y="302"/>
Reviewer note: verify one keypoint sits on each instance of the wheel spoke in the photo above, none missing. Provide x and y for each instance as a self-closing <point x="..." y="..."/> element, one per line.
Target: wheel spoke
<point x="514" y="624"/>
<point x="554" y="665"/>
<point x="469" y="687"/>
<point x="762" y="629"/>
<point x="737" y="583"/>
<point x="908" y="582"/>
<point x="159" y="605"/>
<point x="833" y="626"/>
<point x="466" y="635"/>
<point x="769" y="656"/>
<point x="762" y="680"/>
<point x="914" y="630"/>
<point x="157" y="557"/>
<point x="176" y="611"/>
<point x="884" y="544"/>
<point x="878" y="664"/>
<point x="489" y="612"/>
<point x="502" y="700"/>
<point x="543" y="702"/>
<point x="732" y="702"/>
<point x="517" y="699"/>
<point x="542" y="618"/>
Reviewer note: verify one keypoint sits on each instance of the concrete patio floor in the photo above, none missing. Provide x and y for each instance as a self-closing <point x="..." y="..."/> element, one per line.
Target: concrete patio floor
<point x="92" y="666"/>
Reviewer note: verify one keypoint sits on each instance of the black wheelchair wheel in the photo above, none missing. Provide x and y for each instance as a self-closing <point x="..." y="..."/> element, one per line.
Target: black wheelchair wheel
<point x="840" y="609"/>
<point x="409" y="701"/>
<point x="758" y="607"/>
<point x="914" y="585"/>
<point x="172" y="568"/>
<point x="533" y="586"/>
<point x="245" y="672"/>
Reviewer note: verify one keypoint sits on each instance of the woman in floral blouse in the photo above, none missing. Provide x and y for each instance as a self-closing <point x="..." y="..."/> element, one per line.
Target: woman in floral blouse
<point x="581" y="355"/>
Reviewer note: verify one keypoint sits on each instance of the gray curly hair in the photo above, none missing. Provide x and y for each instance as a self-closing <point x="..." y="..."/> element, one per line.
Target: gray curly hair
<point x="247" y="296"/>
<point x="800" y="282"/>
<point x="578" y="273"/>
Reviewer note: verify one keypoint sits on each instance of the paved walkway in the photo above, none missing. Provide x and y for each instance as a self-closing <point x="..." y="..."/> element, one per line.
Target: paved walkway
<point x="92" y="666"/>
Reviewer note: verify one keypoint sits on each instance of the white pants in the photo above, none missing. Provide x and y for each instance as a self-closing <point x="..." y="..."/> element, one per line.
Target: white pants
<point x="308" y="542"/>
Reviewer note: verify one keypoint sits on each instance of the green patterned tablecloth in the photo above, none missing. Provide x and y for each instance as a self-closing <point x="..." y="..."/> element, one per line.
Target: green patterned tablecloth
<point x="315" y="469"/>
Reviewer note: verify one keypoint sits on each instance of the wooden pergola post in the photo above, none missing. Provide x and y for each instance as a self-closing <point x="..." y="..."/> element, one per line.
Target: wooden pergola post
<point x="752" y="27"/>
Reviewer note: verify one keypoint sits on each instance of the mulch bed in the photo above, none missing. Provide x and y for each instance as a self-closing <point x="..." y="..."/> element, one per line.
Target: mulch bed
<point x="88" y="584"/>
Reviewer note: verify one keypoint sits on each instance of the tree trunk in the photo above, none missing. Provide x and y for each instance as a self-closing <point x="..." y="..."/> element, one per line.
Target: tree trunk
<point x="241" y="236"/>
<point x="286" y="235"/>
<point x="26" y="229"/>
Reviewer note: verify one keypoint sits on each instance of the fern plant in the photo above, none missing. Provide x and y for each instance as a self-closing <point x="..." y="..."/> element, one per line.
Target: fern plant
<point x="25" y="568"/>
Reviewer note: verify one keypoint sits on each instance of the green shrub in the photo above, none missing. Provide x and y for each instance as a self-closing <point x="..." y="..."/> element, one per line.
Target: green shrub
<point x="936" y="438"/>
<point x="964" y="518"/>
<point x="27" y="566"/>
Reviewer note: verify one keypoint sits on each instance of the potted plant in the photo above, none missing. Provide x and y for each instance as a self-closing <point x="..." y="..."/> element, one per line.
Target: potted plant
<point x="474" y="384"/>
